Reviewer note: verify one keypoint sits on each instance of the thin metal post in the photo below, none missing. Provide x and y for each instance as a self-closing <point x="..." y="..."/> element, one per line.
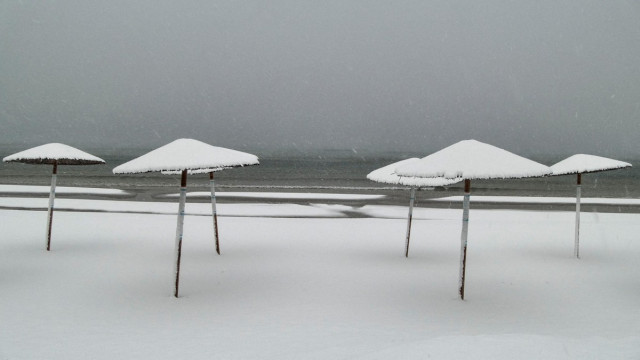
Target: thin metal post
<point x="214" y="211"/>
<point x="52" y="195"/>
<point x="411" y="201"/>
<point x="576" y="250"/>
<point x="463" y="238"/>
<point x="179" y="227"/>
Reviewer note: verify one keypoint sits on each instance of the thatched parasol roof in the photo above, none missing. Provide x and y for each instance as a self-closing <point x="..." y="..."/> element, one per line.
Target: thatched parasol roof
<point x="387" y="175"/>
<point x="583" y="163"/>
<point x="471" y="159"/>
<point x="186" y="154"/>
<point x="54" y="153"/>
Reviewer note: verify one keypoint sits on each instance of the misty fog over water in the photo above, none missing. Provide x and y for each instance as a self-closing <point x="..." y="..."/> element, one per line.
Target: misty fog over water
<point x="536" y="78"/>
<point x="323" y="92"/>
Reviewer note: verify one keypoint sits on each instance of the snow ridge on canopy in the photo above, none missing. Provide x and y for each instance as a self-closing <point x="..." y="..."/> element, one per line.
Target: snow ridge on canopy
<point x="54" y="153"/>
<point x="471" y="159"/>
<point x="388" y="175"/>
<point x="186" y="154"/>
<point x="583" y="163"/>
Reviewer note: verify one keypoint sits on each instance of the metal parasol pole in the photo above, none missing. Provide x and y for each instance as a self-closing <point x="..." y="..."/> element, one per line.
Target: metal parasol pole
<point x="463" y="240"/>
<point x="576" y="249"/>
<point x="214" y="211"/>
<point x="52" y="195"/>
<point x="413" y="196"/>
<point x="183" y="198"/>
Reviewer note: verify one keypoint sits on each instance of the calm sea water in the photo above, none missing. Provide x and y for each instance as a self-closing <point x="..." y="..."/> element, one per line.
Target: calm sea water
<point x="317" y="171"/>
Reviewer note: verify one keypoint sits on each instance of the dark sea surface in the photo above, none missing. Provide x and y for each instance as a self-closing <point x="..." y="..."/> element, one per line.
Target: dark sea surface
<point x="336" y="171"/>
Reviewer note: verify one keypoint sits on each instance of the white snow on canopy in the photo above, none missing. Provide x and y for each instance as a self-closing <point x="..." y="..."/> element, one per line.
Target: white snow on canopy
<point x="582" y="163"/>
<point x="54" y="153"/>
<point x="471" y="159"/>
<point x="388" y="175"/>
<point x="186" y="154"/>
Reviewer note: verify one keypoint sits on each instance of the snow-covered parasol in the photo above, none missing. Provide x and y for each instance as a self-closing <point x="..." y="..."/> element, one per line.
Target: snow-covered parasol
<point x="471" y="160"/>
<point x="53" y="154"/>
<point x="187" y="156"/>
<point x="387" y="175"/>
<point x="580" y="164"/>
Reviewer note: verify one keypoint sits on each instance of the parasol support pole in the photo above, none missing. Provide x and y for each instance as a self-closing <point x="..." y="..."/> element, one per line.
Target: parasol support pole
<point x="463" y="238"/>
<point x="410" y="217"/>
<point x="52" y="195"/>
<point x="576" y="250"/>
<point x="214" y="211"/>
<point x="180" y="226"/>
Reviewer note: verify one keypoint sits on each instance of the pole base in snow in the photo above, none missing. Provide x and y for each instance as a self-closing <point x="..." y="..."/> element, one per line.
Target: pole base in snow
<point x="463" y="237"/>
<point x="214" y="211"/>
<point x="409" y="218"/>
<point x="52" y="195"/>
<point x="179" y="228"/>
<point x="576" y="249"/>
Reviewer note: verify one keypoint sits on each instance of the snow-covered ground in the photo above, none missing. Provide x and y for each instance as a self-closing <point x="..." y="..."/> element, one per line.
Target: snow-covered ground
<point x="167" y="208"/>
<point x="36" y="189"/>
<point x="278" y="195"/>
<point x="317" y="288"/>
<point x="542" y="200"/>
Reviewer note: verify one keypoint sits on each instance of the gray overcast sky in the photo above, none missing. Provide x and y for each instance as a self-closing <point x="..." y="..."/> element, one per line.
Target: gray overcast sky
<point x="529" y="76"/>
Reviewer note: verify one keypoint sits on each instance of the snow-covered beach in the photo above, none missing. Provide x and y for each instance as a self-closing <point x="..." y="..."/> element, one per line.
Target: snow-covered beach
<point x="313" y="281"/>
<point x="319" y="180"/>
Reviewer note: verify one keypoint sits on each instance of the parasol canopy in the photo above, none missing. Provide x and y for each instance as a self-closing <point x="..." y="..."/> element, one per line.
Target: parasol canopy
<point x="186" y="154"/>
<point x="471" y="160"/>
<point x="54" y="153"/>
<point x="583" y="163"/>
<point x="387" y="175"/>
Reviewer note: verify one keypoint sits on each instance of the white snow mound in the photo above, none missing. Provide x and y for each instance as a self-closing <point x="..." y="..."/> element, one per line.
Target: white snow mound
<point x="387" y="175"/>
<point x="186" y="154"/>
<point x="54" y="152"/>
<point x="471" y="159"/>
<point x="583" y="163"/>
